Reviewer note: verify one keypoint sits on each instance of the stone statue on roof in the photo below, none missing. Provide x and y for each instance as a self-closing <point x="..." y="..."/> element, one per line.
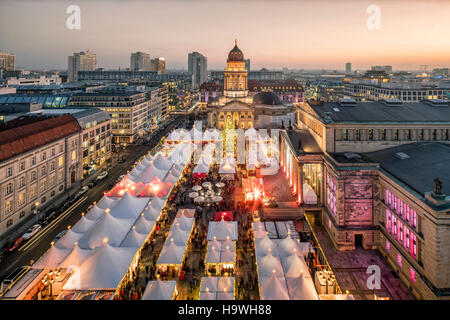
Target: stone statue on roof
<point x="437" y="186"/>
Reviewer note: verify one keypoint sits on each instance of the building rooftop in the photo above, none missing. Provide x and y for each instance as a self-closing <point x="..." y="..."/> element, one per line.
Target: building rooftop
<point x="303" y="142"/>
<point x="84" y="116"/>
<point x="382" y="111"/>
<point x="27" y="133"/>
<point x="422" y="164"/>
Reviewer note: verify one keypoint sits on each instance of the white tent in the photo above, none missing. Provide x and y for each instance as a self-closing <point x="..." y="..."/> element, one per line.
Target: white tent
<point x="201" y="167"/>
<point x="143" y="225"/>
<point x="259" y="233"/>
<point x="109" y="228"/>
<point x="149" y="174"/>
<point x="96" y="213"/>
<point x="258" y="225"/>
<point x="134" y="239"/>
<point x="129" y="207"/>
<point x="151" y="214"/>
<point x="217" y="245"/>
<point x="225" y="295"/>
<point x="76" y="257"/>
<point x="83" y="225"/>
<point x="273" y="288"/>
<point x="309" y="196"/>
<point x="171" y="177"/>
<point x="180" y="237"/>
<point x="213" y="256"/>
<point x="171" y="254"/>
<point x="103" y="270"/>
<point x="268" y="264"/>
<point x="52" y="258"/>
<point x="209" y="283"/>
<point x="225" y="284"/>
<point x="222" y="230"/>
<point x="228" y="243"/>
<point x="305" y="248"/>
<point x="294" y="266"/>
<point x="184" y="222"/>
<point x="263" y="245"/>
<point x="69" y="239"/>
<point x="159" y="290"/>
<point x="227" y="256"/>
<point x="157" y="203"/>
<point x="162" y="163"/>
<point x="227" y="166"/>
<point x="287" y="246"/>
<point x="301" y="288"/>
<point x="208" y="295"/>
<point x="107" y="202"/>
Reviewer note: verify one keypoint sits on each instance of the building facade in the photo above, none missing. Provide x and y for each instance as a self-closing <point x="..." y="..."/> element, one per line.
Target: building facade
<point x="158" y="65"/>
<point x="80" y="61"/>
<point x="197" y="68"/>
<point x="40" y="160"/>
<point x="7" y="61"/>
<point x="140" y="61"/>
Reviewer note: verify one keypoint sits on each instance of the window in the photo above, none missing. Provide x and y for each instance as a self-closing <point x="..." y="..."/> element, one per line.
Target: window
<point x="21" y="182"/>
<point x="357" y="134"/>
<point x="42" y="186"/>
<point x="331" y="194"/>
<point x="412" y="275"/>
<point x="383" y="134"/>
<point x="43" y="156"/>
<point x="399" y="260"/>
<point x="370" y="134"/>
<point x="9" y="188"/>
<point x="61" y="161"/>
<point x="33" y="161"/>
<point x="9" y="223"/>
<point x="396" y="134"/>
<point x="345" y="134"/>
<point x="52" y="166"/>
<point x="33" y="191"/>
<point x="43" y="171"/>
<point x="74" y="155"/>
<point x="22" y="214"/>
<point x="8" y="206"/>
<point x="9" y="172"/>
<point x="21" y="199"/>
<point x="53" y="152"/>
<point x="61" y="148"/>
<point x="388" y="246"/>
<point x="22" y="166"/>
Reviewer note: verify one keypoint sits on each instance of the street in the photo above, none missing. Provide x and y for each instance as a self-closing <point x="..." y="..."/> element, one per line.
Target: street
<point x="35" y="247"/>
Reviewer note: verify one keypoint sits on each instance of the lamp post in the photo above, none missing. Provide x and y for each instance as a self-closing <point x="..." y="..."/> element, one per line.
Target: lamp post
<point x="36" y="204"/>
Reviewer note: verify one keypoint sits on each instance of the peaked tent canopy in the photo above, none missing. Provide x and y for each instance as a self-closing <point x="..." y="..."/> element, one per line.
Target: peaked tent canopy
<point x="83" y="225"/>
<point x="273" y="288"/>
<point x="159" y="290"/>
<point x="76" y="257"/>
<point x="171" y="254"/>
<point x="69" y="239"/>
<point x="129" y="207"/>
<point x="107" y="202"/>
<point x="52" y="258"/>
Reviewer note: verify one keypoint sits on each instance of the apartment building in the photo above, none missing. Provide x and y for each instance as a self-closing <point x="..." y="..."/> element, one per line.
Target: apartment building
<point x="39" y="160"/>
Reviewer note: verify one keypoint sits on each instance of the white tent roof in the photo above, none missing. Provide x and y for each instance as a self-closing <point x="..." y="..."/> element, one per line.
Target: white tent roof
<point x="208" y="295"/>
<point x="258" y="225"/>
<point x="52" y="258"/>
<point x="287" y="246"/>
<point x="171" y="254"/>
<point x="157" y="203"/>
<point x="273" y="288"/>
<point x="134" y="239"/>
<point x="179" y="236"/>
<point x="228" y="243"/>
<point x="225" y="284"/>
<point x="107" y="202"/>
<point x="227" y="166"/>
<point x="102" y="270"/>
<point x="159" y="290"/>
<point x="96" y="213"/>
<point x="225" y="295"/>
<point x="263" y="245"/>
<point x="294" y="266"/>
<point x="151" y="214"/>
<point x="201" y="167"/>
<point x="149" y="174"/>
<point x="269" y="263"/>
<point x="259" y="233"/>
<point x="215" y="244"/>
<point x="68" y="240"/>
<point x="222" y="229"/>
<point x="227" y="256"/>
<point x="76" y="257"/>
<point x="213" y="256"/>
<point x="129" y="207"/>
<point x="209" y="282"/>
<point x="83" y="225"/>
<point x="184" y="222"/>
<point x="162" y="163"/>
<point x="171" y="177"/>
<point x="301" y="288"/>
<point x="110" y="227"/>
<point x="143" y="225"/>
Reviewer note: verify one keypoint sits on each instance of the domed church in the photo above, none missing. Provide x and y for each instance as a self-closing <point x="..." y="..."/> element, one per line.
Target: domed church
<point x="237" y="108"/>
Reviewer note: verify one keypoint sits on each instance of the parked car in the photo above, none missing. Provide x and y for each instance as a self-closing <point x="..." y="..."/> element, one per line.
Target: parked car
<point x="31" y="231"/>
<point x="102" y="175"/>
<point x="13" y="245"/>
<point x="81" y="192"/>
<point x="60" y="235"/>
<point x="92" y="183"/>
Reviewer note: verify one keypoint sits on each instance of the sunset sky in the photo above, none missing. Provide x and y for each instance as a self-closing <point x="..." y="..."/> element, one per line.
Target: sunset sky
<point x="308" y="34"/>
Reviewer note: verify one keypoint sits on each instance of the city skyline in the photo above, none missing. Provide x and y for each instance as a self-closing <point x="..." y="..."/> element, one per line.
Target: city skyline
<point x="336" y="33"/>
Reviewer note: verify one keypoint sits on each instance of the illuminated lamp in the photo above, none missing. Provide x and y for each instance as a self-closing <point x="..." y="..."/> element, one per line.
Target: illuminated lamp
<point x="107" y="210"/>
<point x="105" y="240"/>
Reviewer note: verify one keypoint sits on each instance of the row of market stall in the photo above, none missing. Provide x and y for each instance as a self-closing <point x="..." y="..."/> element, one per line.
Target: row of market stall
<point x="104" y="246"/>
<point x="282" y="271"/>
<point x="173" y="253"/>
<point x="217" y="288"/>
